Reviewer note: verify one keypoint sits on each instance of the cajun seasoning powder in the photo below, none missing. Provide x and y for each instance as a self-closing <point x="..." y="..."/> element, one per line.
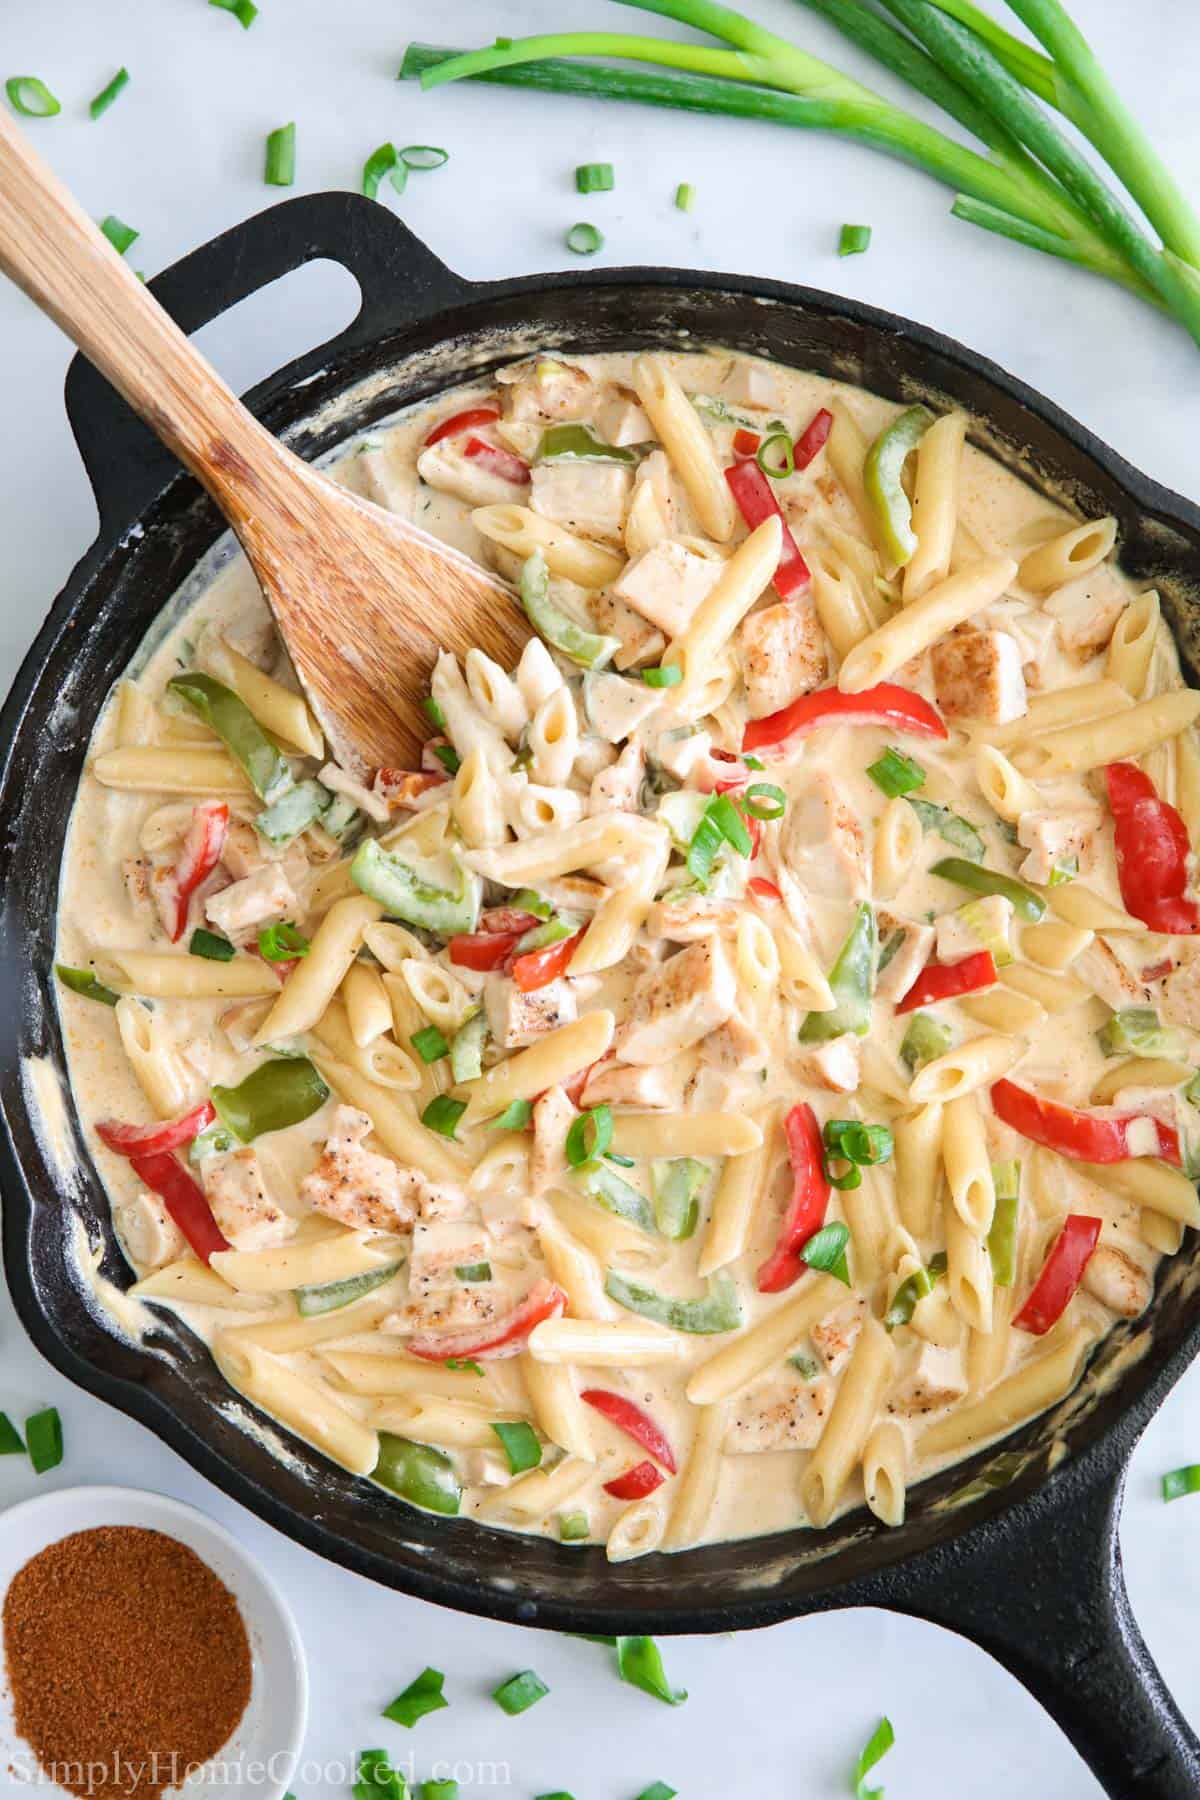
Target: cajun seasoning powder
<point x="128" y="1661"/>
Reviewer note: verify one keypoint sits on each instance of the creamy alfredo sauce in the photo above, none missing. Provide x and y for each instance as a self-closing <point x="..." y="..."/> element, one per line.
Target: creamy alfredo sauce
<point x="822" y="856"/>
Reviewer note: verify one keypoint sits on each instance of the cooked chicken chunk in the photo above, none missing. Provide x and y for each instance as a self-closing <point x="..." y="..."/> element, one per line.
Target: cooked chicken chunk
<point x="783" y="655"/>
<point x="785" y="1414"/>
<point x="906" y="961"/>
<point x="616" y="707"/>
<point x="553" y="1116"/>
<point x="690" y="917"/>
<point x="546" y="388"/>
<point x="439" y="1250"/>
<point x="1086" y="611"/>
<point x="589" y="497"/>
<point x="751" y="383"/>
<point x="977" y="675"/>
<point x="243" y="852"/>
<point x="1098" y="968"/>
<point x="1180" y="1002"/>
<point x="617" y="788"/>
<point x="638" y="1086"/>
<point x="259" y="899"/>
<point x="735" y="1046"/>
<point x="640" y="641"/>
<point x="823" y="843"/>
<point x="681" y="751"/>
<point x="353" y="1184"/>
<point x="1117" y="1281"/>
<point x="835" y="1336"/>
<point x="1033" y="629"/>
<point x="147" y="1230"/>
<point x="516" y="1019"/>
<point x="1053" y="840"/>
<point x="834" y="1065"/>
<point x="935" y="1379"/>
<point x="666" y="584"/>
<point x="136" y="874"/>
<point x="622" y="422"/>
<point x="446" y="467"/>
<point x="244" y="1211"/>
<point x="678" y="1003"/>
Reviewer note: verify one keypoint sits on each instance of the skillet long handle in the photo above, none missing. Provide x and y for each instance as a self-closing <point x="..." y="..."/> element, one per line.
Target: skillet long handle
<point x="1041" y="1589"/>
<point x="58" y="256"/>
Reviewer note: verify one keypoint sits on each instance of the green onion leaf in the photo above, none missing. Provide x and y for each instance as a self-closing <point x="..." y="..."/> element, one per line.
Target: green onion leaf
<point x="280" y="170"/>
<point x="377" y="1780"/>
<point x="244" y="11"/>
<point x="381" y="162"/>
<point x="826" y="1250"/>
<point x="444" y="1789"/>
<point x="44" y="1437"/>
<point x="424" y="1695"/>
<point x="211" y="945"/>
<point x="442" y="1115"/>
<point x="658" y="1790"/>
<point x="584" y="239"/>
<point x="895" y="774"/>
<point x="915" y="1288"/>
<point x="448" y="756"/>
<point x="459" y="1362"/>
<point x="806" y="1365"/>
<point x="281" y="943"/>
<point x="589" y="1136"/>
<point x="29" y="96"/>
<point x="424" y="156"/>
<point x="622" y="1162"/>
<point x="951" y="827"/>
<point x="640" y="1663"/>
<point x="429" y="1044"/>
<point x="430" y="707"/>
<point x="763" y="800"/>
<point x="119" y="235"/>
<point x="515" y="1117"/>
<point x="594" y="178"/>
<point x="10" y="1438"/>
<point x="853" y="240"/>
<point x="670" y="676"/>
<point x="520" y="1692"/>
<point x="572" y="1527"/>
<point x="521" y="1446"/>
<point x="477" y="1271"/>
<point x="877" y="1746"/>
<point x="107" y="95"/>
<point x="685" y="196"/>
<point x="1181" y="1481"/>
<point x="83" y="981"/>
<point x="776" y="455"/>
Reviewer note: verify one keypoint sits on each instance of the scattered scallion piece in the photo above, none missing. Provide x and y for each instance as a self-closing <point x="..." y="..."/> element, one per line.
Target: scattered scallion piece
<point x="377" y="1780"/>
<point x="444" y="1788"/>
<point x="29" y="96"/>
<point x="573" y="1527"/>
<point x="44" y="1439"/>
<point x="525" y="900"/>
<point x="381" y="162"/>
<point x="685" y="196"/>
<point x="584" y="239"/>
<point x="895" y="774"/>
<point x="515" y="1117"/>
<point x="429" y="1044"/>
<point x="442" y="1115"/>
<point x="464" y="1362"/>
<point x="280" y="169"/>
<point x="589" y="1137"/>
<point x="421" y="1696"/>
<point x="424" y="156"/>
<point x="594" y="178"/>
<point x="107" y="95"/>
<point x="754" y="762"/>
<point x="282" y="943"/>
<point x="658" y="1790"/>
<point x="805" y="1365"/>
<point x="776" y="455"/>
<point x="720" y="823"/>
<point x="520" y="1692"/>
<point x="433" y="711"/>
<point x="211" y="945"/>
<point x="119" y="235"/>
<point x="764" y="800"/>
<point x="521" y="1447"/>
<point x="853" y="240"/>
<point x="826" y="1250"/>
<point x="1179" y="1482"/>
<point x="83" y="981"/>
<point x="640" y="1663"/>
<point x="476" y="1271"/>
<point x="449" y="758"/>
<point x="244" y="11"/>
<point x="877" y="1746"/>
<point x="857" y="1145"/>
<point x="558" y="1794"/>
<point x="10" y="1438"/>
<point x="670" y="676"/>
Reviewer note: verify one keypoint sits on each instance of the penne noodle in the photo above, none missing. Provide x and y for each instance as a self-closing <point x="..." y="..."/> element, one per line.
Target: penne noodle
<point x="312" y="985"/>
<point x="913" y="630"/>
<point x="605" y="1343"/>
<point x="549" y="1062"/>
<point x="766" y="1343"/>
<point x="934" y="512"/>
<point x="681" y="431"/>
<point x="567" y="555"/>
<point x="170" y="770"/>
<point x="685" y="1134"/>
<point x="1020" y="1396"/>
<point x="1069" y="555"/>
<point x="975" y="1064"/>
<point x="1074" y="749"/>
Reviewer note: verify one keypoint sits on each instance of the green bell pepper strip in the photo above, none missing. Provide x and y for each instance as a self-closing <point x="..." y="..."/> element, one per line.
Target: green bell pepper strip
<point x="294" y="811"/>
<point x="275" y="1095"/>
<point x="341" y="818"/>
<point x="11" y="1441"/>
<point x="891" y="509"/>
<point x="1025" y="903"/>
<point x="466" y="1048"/>
<point x="417" y="1473"/>
<point x="267" y="770"/>
<point x="616" y="1196"/>
<point x="1135" y="1031"/>
<point x="83" y="981"/>
<point x="720" y="1309"/>
<point x="579" y="443"/>
<point x="401" y="891"/>
<point x="1002" y="1237"/>
<point x="677" y="1186"/>
<point x="957" y="831"/>
<point x="925" y="1038"/>
<point x="587" y="648"/>
<point x="918" y="1284"/>
<point x="311" y="1302"/>
<point x="852" y="979"/>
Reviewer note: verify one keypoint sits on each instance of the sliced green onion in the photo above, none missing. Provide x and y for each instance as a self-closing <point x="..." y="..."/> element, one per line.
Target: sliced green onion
<point x="778" y="462"/>
<point x="280" y="170"/>
<point x="520" y="1692"/>
<point x="282" y="943"/>
<point x="895" y="774"/>
<point x="422" y="1696"/>
<point x="805" y="1365"/>
<point x="1063" y="872"/>
<point x="107" y="95"/>
<point x="442" y="1115"/>
<point x="83" y="981"/>
<point x="44" y="1439"/>
<point x="925" y="1038"/>
<point x="640" y="1663"/>
<point x="29" y="96"/>
<point x="853" y="240"/>
<point x="381" y="162"/>
<point x="826" y="1250"/>
<point x="469" y="1272"/>
<point x="550" y="931"/>
<point x="443" y="1789"/>
<point x="331" y="1296"/>
<point x="429" y="1044"/>
<point x="854" y="1142"/>
<point x="214" y="1140"/>
<point x="949" y="826"/>
<point x="424" y="156"/>
<point x="763" y="800"/>
<point x="433" y="711"/>
<point x="119" y="235"/>
<point x="584" y="239"/>
<point x="460" y="1363"/>
<point x="522" y="1448"/>
<point x="244" y="11"/>
<point x="1181" y="1481"/>
<point x="377" y="1780"/>
<point x="573" y="1526"/>
<point x="11" y="1443"/>
<point x="589" y="1137"/>
<point x="515" y="1117"/>
<point x="721" y="822"/>
<point x="658" y="1790"/>
<point x="211" y="945"/>
<point x="685" y="196"/>
<point x="677" y="1187"/>
<point x="877" y="1746"/>
<point x="915" y="1288"/>
<point x="670" y="676"/>
<point x="594" y="178"/>
<point x="622" y="1162"/>
<point x="448" y="756"/>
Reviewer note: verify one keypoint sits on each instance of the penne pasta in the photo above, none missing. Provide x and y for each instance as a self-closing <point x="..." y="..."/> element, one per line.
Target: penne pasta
<point x="913" y="630"/>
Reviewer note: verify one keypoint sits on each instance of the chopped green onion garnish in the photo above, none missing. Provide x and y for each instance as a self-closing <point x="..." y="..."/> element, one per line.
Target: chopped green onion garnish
<point x="429" y="1044"/>
<point x="442" y="1115"/>
<point x="119" y="235"/>
<point x="754" y="762"/>
<point x="377" y="1780"/>
<point x="685" y="196"/>
<point x="480" y="1271"/>
<point x="571" y="1526"/>
<point x="381" y="162"/>
<point x="44" y="1437"/>
<point x="763" y="800"/>
<point x="658" y="1790"/>
<point x="11" y="1444"/>
<point x="640" y="1663"/>
<point x="520" y="1692"/>
<point x="805" y="1365"/>
<point x="515" y="1117"/>
<point x="449" y="758"/>
<point x="244" y="11"/>
<point x="877" y="1745"/>
<point x="29" y="95"/>
<point x="589" y="1136"/>
<point x="523" y="1451"/>
<point x="424" y="156"/>
<point x="584" y="240"/>
<point x="826" y="1250"/>
<point x="432" y="710"/>
<point x="458" y="1362"/>
<point x="211" y="945"/>
<point x="594" y="178"/>
<point x="776" y="455"/>
<point x="107" y="95"/>
<point x="281" y="943"/>
<point x="444" y="1789"/>
<point x="670" y="676"/>
<point x="1181" y="1481"/>
<point x="895" y="774"/>
<point x="280" y="168"/>
<point x="858" y="1143"/>
<point x="951" y="827"/>
<point x="622" y="1162"/>
<point x="915" y="1288"/>
<point x="854" y="239"/>
<point x="83" y="981"/>
<point x="424" y="1695"/>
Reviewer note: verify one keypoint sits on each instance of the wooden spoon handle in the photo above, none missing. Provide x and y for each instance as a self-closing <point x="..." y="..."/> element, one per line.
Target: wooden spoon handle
<point x="59" y="257"/>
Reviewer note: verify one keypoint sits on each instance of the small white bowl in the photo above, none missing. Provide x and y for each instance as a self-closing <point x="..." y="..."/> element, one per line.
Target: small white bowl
<point x="258" y="1761"/>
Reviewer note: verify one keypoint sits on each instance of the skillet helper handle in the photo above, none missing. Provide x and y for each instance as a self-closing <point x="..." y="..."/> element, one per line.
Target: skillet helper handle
<point x="1041" y="1589"/>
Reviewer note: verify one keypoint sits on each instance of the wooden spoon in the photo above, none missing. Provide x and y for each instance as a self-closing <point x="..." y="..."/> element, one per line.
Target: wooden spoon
<point x="362" y="598"/>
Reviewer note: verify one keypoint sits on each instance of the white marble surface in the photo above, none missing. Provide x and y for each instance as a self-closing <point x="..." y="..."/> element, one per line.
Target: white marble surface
<point x="179" y="156"/>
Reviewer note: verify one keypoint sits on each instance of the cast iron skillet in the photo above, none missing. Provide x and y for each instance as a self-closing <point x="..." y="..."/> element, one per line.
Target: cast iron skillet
<point x="1016" y="1549"/>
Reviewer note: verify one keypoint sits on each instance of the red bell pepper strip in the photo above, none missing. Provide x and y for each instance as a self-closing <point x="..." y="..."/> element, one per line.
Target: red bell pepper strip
<point x="507" y="919"/>
<point x="483" y="949"/>
<point x="1061" y="1274"/>
<point x="198" y="858"/>
<point x="466" y="420"/>
<point x="764" y="890"/>
<point x="184" y="1199"/>
<point x="635" y="1483"/>
<point x="886" y="704"/>
<point x="403" y="787"/>
<point x="499" y="462"/>
<point x="503" y="1337"/>
<point x="155" y="1140"/>
<point x="806" y="1210"/>
<point x="745" y="443"/>
<point x="756" y="502"/>
<point x="1098" y="1136"/>
<point x="946" y="981"/>
<point x="720" y="773"/>
<point x="538" y="967"/>
<point x="634" y="1422"/>
<point x="813" y="438"/>
<point x="1151" y="843"/>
